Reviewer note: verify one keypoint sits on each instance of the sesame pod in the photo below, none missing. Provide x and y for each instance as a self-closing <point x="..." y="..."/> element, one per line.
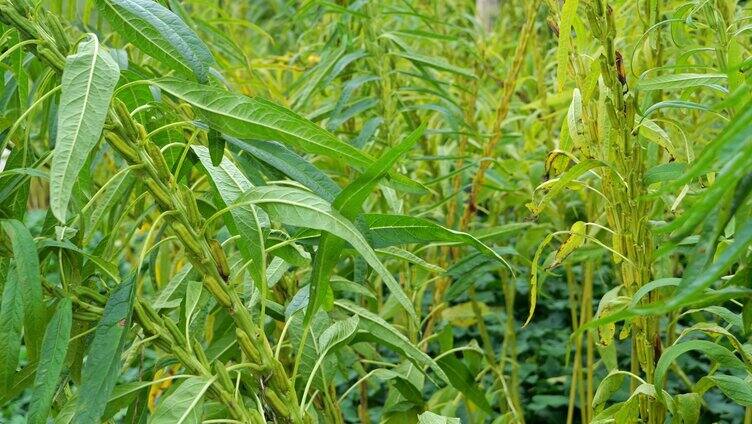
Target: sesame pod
<point x="247" y="347"/>
<point x="276" y="402"/>
<point x="199" y="351"/>
<point x="256" y="417"/>
<point x="617" y="246"/>
<point x="220" y="259"/>
<point x="160" y="166"/>
<point x="222" y="375"/>
<point x="575" y="240"/>
<point x="174" y="331"/>
<point x="58" y="33"/>
<point x="124" y="116"/>
<point x="191" y="207"/>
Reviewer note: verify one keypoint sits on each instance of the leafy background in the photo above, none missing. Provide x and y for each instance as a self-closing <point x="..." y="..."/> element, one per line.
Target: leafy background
<point x="177" y="171"/>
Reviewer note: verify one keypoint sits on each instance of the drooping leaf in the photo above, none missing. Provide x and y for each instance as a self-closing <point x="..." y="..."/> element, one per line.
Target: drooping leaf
<point x="462" y="379"/>
<point x="290" y="164"/>
<point x="390" y="230"/>
<point x="382" y="331"/>
<point x="102" y="365"/>
<point x="29" y="284"/>
<point x="88" y="81"/>
<point x="11" y="322"/>
<point x="159" y="33"/>
<point x="719" y="354"/>
<point x="303" y="209"/>
<point x="54" y="348"/>
<point x="254" y="118"/>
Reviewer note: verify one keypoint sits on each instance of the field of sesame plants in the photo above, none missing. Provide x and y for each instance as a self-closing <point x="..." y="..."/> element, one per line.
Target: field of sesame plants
<point x="393" y="211"/>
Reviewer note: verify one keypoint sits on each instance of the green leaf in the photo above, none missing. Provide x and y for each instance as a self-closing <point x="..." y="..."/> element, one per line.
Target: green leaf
<point x="254" y="118"/>
<point x="184" y="405"/>
<point x="290" y="164"/>
<point x="330" y="339"/>
<point x="737" y="389"/>
<point x="246" y="220"/>
<point x="216" y="147"/>
<point x="54" y="348"/>
<point x="664" y="172"/>
<point x="11" y="321"/>
<point x="690" y="288"/>
<point x="192" y="296"/>
<point x="102" y="365"/>
<point x="389" y="230"/>
<point x="717" y="353"/>
<point x="563" y="181"/>
<point x="680" y="81"/>
<point x="159" y="33"/>
<point x="436" y="64"/>
<point x="29" y="284"/>
<point x="88" y="81"/>
<point x="429" y="417"/>
<point x="304" y="209"/>
<point x="375" y="327"/>
<point x="337" y="334"/>
<point x="463" y="380"/>
<point x="568" y="15"/>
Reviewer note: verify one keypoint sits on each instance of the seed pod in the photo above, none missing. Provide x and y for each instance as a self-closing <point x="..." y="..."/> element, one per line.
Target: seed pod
<point x="247" y="347"/>
<point x="191" y="207"/>
<point x="276" y="402"/>
<point x="575" y="241"/>
<point x="554" y="27"/>
<point x="617" y="246"/>
<point x="160" y="166"/>
<point x="174" y="331"/>
<point x="220" y="259"/>
<point x="198" y="350"/>
<point x="125" y="119"/>
<point x="222" y="375"/>
<point x="58" y="33"/>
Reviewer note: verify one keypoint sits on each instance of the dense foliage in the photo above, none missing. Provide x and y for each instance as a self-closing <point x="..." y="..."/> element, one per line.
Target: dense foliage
<point x="376" y="211"/>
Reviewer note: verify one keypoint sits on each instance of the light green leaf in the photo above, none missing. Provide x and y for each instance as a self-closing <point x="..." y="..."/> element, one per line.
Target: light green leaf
<point x="159" y="33"/>
<point x="184" y="405"/>
<point x="54" y="348"/>
<point x="429" y="417"/>
<point x="246" y="220"/>
<point x="436" y="64"/>
<point x="382" y="331"/>
<point x="680" y="81"/>
<point x="304" y="209"/>
<point x="89" y="79"/>
<point x="737" y="389"/>
<point x="389" y="230"/>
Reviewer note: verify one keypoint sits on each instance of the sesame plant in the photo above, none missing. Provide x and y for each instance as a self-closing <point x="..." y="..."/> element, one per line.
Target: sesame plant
<point x="354" y="211"/>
